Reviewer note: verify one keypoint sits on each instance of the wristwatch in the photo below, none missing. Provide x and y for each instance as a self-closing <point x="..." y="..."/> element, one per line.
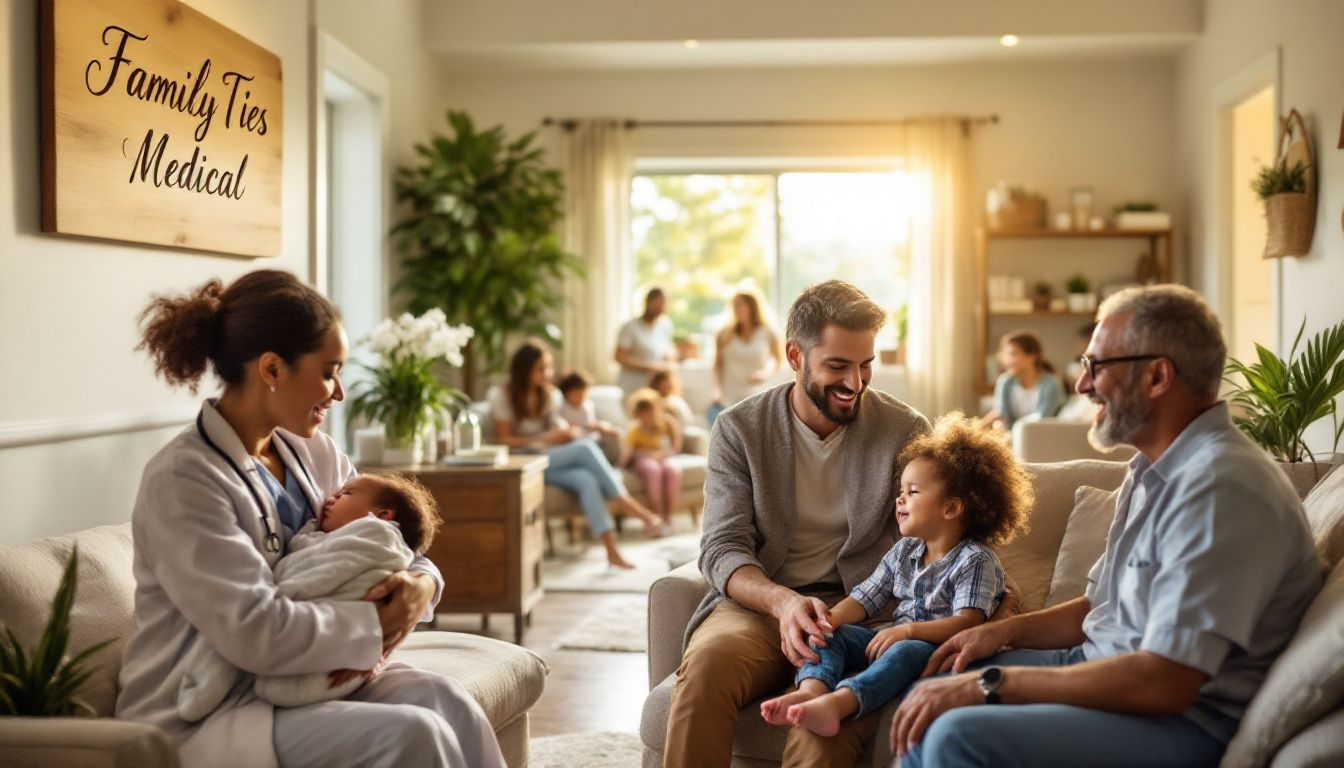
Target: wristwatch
<point x="990" y="680"/>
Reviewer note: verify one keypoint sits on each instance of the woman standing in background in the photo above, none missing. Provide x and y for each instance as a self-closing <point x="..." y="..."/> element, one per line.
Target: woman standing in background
<point x="746" y="354"/>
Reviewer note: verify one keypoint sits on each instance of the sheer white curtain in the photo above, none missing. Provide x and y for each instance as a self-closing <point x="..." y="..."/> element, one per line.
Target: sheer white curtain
<point x="941" y="340"/>
<point x="598" y="163"/>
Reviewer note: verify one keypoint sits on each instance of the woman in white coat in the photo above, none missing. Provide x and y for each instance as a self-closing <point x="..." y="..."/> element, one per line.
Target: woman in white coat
<point x="215" y="511"/>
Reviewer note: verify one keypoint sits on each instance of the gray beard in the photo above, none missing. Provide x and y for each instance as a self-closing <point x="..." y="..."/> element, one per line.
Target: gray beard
<point x="1124" y="419"/>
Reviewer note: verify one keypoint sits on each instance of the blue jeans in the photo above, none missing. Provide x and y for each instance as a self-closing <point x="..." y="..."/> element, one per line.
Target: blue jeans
<point x="1009" y="736"/>
<point x="581" y="468"/>
<point x="876" y="683"/>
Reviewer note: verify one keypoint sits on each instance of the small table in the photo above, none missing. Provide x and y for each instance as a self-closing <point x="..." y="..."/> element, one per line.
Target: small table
<point x="489" y="548"/>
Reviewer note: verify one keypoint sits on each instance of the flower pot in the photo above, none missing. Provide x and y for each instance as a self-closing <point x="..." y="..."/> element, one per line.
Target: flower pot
<point x="1304" y="475"/>
<point x="1081" y="302"/>
<point x="401" y="450"/>
<point x="1291" y="221"/>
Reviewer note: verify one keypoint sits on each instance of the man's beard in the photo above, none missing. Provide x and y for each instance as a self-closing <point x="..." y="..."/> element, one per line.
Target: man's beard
<point x="819" y="398"/>
<point x="1126" y="414"/>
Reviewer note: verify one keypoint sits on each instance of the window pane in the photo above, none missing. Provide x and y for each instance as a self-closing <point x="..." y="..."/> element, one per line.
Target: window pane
<point x="851" y="226"/>
<point x="702" y="237"/>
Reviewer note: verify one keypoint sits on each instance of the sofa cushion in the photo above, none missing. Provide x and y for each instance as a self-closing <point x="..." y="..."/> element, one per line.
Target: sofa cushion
<point x="1030" y="558"/>
<point x="1084" y="542"/>
<point x="104" y="598"/>
<point x="1325" y="512"/>
<point x="1305" y="683"/>
<point x="506" y="679"/>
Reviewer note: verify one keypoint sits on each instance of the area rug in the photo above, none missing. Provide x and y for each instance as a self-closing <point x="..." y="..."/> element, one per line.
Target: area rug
<point x="620" y="625"/>
<point x="586" y="569"/>
<point x="587" y="750"/>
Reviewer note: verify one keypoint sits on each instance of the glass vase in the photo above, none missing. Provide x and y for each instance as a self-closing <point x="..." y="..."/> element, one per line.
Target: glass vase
<point x="466" y="432"/>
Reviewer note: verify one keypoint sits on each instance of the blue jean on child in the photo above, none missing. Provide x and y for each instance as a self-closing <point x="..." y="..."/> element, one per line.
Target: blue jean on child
<point x="882" y="680"/>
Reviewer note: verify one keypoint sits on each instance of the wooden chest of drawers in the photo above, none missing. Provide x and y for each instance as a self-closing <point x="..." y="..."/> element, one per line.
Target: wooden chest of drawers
<point x="490" y="547"/>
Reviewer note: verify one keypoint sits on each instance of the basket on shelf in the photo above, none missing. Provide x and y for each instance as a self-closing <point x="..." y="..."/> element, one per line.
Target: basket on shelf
<point x="1016" y="211"/>
<point x="1290" y="217"/>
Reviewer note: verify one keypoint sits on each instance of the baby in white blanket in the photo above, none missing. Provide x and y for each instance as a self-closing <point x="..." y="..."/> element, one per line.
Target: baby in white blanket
<point x="371" y="528"/>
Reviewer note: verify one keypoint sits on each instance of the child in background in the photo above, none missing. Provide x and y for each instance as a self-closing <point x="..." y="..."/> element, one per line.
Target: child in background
<point x="575" y="405"/>
<point x="667" y="386"/>
<point x="1028" y="386"/>
<point x="961" y="490"/>
<point x="652" y="442"/>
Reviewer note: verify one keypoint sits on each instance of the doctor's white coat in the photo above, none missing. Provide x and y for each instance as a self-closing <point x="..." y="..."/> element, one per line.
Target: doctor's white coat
<point x="202" y="571"/>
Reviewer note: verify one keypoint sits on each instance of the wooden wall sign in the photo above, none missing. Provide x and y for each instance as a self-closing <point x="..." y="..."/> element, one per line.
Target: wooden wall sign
<point x="159" y="125"/>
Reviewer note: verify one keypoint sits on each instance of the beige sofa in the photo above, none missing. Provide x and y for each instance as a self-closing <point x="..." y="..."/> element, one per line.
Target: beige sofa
<point x="506" y="679"/>
<point x="563" y="506"/>
<point x="1295" y="720"/>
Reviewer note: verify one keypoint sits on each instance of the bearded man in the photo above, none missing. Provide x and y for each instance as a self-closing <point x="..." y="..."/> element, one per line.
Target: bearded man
<point x="798" y="511"/>
<point x="1209" y="566"/>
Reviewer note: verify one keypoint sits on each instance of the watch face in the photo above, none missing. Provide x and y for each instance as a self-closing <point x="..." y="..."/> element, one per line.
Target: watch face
<point x="991" y="676"/>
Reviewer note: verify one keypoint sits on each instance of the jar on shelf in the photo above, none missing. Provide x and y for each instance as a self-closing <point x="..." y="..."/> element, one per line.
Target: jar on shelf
<point x="467" y="432"/>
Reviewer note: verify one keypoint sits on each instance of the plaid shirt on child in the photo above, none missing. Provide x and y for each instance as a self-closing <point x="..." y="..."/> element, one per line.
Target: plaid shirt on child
<point x="969" y="576"/>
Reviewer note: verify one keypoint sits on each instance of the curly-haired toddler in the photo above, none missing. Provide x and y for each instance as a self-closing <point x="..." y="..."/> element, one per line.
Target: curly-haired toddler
<point x="961" y="490"/>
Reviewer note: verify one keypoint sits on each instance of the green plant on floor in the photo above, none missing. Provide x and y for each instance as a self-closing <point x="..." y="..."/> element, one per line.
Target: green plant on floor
<point x="45" y="683"/>
<point x="1282" y="398"/>
<point x="479" y="239"/>
<point x="1078" y="284"/>
<point x="1277" y="179"/>
<point x="901" y="317"/>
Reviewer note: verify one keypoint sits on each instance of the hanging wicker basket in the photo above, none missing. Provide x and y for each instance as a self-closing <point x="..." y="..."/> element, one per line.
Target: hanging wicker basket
<point x="1291" y="216"/>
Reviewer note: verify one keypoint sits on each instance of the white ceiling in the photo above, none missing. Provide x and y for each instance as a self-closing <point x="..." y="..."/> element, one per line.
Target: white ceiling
<point x="649" y="34"/>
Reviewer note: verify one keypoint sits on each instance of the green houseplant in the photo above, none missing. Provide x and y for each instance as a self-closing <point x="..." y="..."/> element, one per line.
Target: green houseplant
<point x="45" y="683"/>
<point x="405" y="393"/>
<point x="1281" y="398"/>
<point x="479" y="238"/>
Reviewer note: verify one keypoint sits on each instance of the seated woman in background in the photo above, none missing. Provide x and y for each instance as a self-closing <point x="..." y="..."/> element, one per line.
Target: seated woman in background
<point x="746" y="353"/>
<point x="1028" y="386"/>
<point x="526" y="417"/>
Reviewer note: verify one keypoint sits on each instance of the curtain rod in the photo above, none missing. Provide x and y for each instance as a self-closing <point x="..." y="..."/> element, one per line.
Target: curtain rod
<point x="570" y="123"/>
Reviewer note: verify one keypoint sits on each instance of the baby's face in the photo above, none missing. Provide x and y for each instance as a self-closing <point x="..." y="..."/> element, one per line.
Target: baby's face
<point x="354" y="500"/>
<point x="575" y="397"/>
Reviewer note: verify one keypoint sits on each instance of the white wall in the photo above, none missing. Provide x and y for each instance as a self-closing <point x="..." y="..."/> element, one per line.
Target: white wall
<point x="1237" y="34"/>
<point x="1107" y="124"/>
<point x="68" y="307"/>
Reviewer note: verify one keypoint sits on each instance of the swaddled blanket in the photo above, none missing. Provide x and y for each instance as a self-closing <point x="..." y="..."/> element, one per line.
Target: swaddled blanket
<point x="341" y="565"/>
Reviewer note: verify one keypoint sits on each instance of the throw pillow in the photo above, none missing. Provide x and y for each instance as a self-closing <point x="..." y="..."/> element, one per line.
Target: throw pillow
<point x="1084" y="542"/>
<point x="1305" y="684"/>
<point x="1325" y="513"/>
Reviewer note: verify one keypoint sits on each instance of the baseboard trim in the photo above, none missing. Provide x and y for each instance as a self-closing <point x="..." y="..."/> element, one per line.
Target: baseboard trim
<point x="28" y="433"/>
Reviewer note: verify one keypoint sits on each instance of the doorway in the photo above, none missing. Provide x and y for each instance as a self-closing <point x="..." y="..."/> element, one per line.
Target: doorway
<point x="1252" y="144"/>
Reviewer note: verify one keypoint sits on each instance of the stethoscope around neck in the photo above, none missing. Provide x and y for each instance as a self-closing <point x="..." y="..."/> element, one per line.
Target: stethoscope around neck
<point x="272" y="542"/>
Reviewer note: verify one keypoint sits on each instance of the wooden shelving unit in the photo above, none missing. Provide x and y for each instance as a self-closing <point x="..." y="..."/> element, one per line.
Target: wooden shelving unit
<point x="1159" y="247"/>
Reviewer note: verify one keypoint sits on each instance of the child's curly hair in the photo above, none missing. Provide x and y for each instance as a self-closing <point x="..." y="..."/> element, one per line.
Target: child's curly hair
<point x="980" y="469"/>
<point x="413" y="507"/>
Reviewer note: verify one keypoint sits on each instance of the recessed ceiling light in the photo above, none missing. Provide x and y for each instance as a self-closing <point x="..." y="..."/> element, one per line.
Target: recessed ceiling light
<point x="1009" y="41"/>
<point x="690" y="44"/>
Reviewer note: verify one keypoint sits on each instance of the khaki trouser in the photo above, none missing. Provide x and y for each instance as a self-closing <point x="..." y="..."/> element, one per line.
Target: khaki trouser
<point x="733" y="659"/>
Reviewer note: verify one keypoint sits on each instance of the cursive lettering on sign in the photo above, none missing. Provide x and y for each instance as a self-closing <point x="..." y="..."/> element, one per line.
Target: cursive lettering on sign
<point x="191" y="175"/>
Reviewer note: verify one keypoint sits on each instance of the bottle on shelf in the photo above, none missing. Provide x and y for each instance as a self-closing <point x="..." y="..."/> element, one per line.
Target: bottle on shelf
<point x="466" y="432"/>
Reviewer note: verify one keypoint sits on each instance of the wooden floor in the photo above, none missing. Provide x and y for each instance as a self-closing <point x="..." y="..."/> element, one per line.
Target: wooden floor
<point x="586" y="690"/>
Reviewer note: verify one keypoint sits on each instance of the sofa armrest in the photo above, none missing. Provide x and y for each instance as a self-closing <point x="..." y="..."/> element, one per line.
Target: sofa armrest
<point x="1049" y="440"/>
<point x="695" y="441"/>
<point x="1320" y="745"/>
<point x="672" y="601"/>
<point x="78" y="742"/>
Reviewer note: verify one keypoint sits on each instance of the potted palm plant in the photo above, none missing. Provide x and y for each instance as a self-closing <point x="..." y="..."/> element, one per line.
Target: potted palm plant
<point x="1279" y="399"/>
<point x="406" y="394"/>
<point x="45" y="683"/>
<point x="479" y="239"/>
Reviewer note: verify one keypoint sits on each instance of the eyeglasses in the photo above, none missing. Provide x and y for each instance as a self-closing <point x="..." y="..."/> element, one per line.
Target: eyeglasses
<point x="1091" y="364"/>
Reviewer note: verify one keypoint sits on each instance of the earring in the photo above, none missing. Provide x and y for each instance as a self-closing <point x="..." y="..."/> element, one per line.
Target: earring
<point x="272" y="389"/>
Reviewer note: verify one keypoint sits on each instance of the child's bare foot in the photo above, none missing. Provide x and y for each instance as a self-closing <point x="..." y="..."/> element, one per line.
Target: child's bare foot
<point x="775" y="711"/>
<point x="619" y="562"/>
<point x="821" y="715"/>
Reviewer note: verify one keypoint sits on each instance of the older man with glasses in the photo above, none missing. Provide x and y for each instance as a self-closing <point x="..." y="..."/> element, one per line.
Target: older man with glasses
<point x="1208" y="568"/>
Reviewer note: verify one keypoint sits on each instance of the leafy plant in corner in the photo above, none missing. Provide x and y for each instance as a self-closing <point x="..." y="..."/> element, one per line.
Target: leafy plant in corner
<point x="1277" y="179"/>
<point x="1282" y="398"/>
<point x="479" y="238"/>
<point x="46" y="683"/>
<point x="902" y="319"/>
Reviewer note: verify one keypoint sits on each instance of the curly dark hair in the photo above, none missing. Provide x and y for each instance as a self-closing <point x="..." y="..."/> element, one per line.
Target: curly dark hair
<point x="977" y="467"/>
<point x="413" y="507"/>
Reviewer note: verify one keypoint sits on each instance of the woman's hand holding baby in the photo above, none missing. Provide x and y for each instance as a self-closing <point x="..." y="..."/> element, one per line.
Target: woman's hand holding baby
<point x="402" y="599"/>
